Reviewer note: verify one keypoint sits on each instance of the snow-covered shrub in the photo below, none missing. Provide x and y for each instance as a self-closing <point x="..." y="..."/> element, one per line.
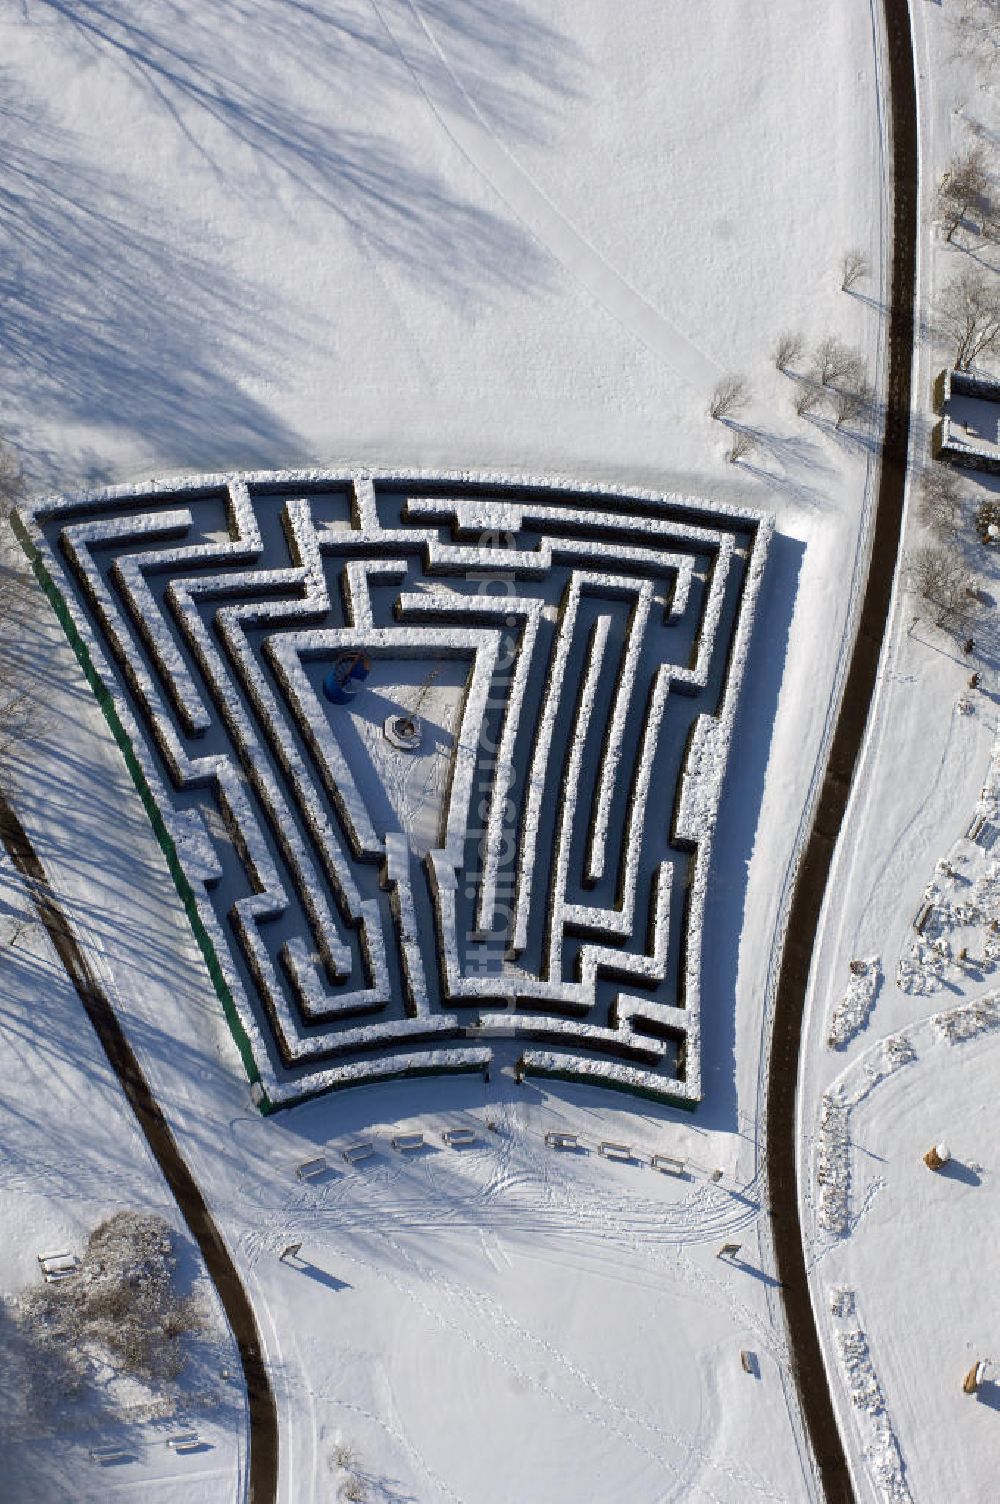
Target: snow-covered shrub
<point x="958" y="1024"/>
<point x="121" y="1308"/>
<point x="881" y="1446"/>
<point x="851" y="1013"/>
<point x="833" y="1167"/>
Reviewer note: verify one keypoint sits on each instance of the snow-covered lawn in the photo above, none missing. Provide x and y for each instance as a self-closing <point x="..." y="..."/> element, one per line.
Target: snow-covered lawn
<point x="914" y="889"/>
<point x="72" y="1155"/>
<point x="526" y="239"/>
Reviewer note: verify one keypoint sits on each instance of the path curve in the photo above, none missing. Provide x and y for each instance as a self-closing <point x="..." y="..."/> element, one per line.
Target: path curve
<point x="814" y="869"/>
<point x="263" y="1471"/>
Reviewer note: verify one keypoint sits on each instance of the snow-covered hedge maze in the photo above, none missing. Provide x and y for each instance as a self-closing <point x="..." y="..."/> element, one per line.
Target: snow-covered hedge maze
<point x="532" y="864"/>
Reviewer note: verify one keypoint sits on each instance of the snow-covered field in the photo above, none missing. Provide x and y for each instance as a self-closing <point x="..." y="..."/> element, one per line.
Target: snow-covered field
<point x="527" y="240"/>
<point x="71" y="1154"/>
<point x="913" y="894"/>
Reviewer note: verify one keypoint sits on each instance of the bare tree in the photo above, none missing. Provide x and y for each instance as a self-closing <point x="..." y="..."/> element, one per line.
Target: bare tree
<point x="851" y="402"/>
<point x="988" y="522"/>
<point x="836" y="364"/>
<point x="730" y="395"/>
<point x="11" y="481"/>
<point x="807" y="399"/>
<point x="743" y="444"/>
<point x="18" y="714"/>
<point x="940" y="577"/>
<point x="940" y="503"/>
<point x="969" y="315"/>
<point x="788" y="350"/>
<point x="853" y="267"/>
<point x="17" y="707"/>
<point x="977" y="33"/>
<point x="965" y="186"/>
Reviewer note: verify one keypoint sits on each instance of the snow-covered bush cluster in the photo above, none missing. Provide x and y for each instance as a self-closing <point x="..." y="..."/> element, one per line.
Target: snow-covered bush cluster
<point x="958" y="925"/>
<point x="832" y="1152"/>
<point x="338" y="955"/>
<point x="842" y="1301"/>
<point x="958" y="1024"/>
<point x="121" y="1311"/>
<point x="851" y="1013"/>
<point x="881" y="1446"/>
<point x="833" y="1167"/>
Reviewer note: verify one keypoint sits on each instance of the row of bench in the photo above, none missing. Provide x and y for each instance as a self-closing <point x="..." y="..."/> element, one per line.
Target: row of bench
<point x="667" y="1164"/>
<point x="183" y="1441"/>
<point x="403" y="1143"/>
<point x="462" y="1138"/>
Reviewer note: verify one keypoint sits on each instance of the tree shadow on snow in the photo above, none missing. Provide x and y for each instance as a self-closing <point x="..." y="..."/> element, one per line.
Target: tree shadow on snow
<point x="110" y="318"/>
<point x="117" y="311"/>
<point x="783" y="461"/>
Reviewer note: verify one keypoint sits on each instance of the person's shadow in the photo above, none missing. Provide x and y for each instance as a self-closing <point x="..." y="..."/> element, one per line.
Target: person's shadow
<point x="321" y="1276"/>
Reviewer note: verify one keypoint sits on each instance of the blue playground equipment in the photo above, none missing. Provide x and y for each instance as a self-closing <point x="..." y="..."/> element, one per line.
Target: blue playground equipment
<point x="346" y="677"/>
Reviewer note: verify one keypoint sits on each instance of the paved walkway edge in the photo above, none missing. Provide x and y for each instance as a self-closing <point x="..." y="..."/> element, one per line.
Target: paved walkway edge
<point x="263" y="1469"/>
<point x="814" y="869"/>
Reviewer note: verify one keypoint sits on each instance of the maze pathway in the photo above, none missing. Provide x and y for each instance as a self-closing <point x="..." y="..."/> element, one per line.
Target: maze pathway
<point x="500" y="829"/>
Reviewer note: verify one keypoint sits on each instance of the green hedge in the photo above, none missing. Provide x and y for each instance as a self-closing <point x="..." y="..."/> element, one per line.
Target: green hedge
<point x="608" y="1083"/>
<point x="106" y="701"/>
<point x="153" y="811"/>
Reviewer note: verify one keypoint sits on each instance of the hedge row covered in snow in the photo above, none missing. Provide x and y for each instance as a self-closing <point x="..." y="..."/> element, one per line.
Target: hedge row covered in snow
<point x="307" y="1031"/>
<point x="832" y="1151"/>
<point x="881" y="1446"/>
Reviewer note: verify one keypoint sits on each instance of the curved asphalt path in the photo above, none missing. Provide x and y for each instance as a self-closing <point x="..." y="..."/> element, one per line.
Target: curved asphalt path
<point x="814" y="868"/>
<point x="263" y="1413"/>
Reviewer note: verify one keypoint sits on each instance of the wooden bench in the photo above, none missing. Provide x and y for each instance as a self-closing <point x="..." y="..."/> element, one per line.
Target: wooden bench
<point x="406" y="1143"/>
<point x="104" y="1456"/>
<point x="459" y="1138"/>
<point x="668" y="1165"/>
<point x="184" y="1441"/>
<point x="355" y="1153"/>
<point x="562" y="1140"/>
<point x="60" y="1265"/>
<point x="611" y="1150"/>
<point x="311" y="1169"/>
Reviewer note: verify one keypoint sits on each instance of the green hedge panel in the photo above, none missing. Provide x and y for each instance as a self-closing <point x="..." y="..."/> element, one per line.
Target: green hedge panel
<point x="153" y="811"/>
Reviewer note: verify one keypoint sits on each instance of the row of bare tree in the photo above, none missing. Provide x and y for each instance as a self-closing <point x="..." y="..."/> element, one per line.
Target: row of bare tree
<point x="967" y="317"/>
<point x="969" y="306"/>
<point x="938" y="571"/>
<point x="15" y="702"/>
<point x="834" y="377"/>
